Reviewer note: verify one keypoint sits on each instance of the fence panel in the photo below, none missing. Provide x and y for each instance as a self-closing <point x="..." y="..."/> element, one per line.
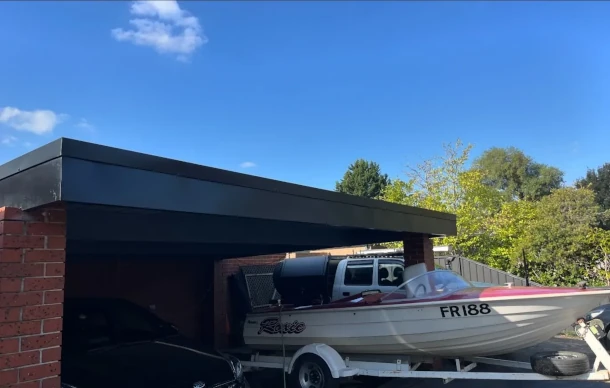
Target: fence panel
<point x="478" y="272"/>
<point x="259" y="283"/>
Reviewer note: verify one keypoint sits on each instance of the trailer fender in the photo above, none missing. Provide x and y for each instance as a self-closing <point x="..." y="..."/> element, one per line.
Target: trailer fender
<point x="333" y="360"/>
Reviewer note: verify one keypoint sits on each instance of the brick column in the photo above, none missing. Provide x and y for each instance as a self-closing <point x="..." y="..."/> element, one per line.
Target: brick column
<point x="32" y="267"/>
<point x="418" y="249"/>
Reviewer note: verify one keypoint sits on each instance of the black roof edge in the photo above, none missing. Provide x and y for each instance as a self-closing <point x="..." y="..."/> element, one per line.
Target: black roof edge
<point x="78" y="149"/>
<point x="32" y="158"/>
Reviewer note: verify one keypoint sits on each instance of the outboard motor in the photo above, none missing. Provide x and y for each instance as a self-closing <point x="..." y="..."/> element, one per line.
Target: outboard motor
<point x="302" y="281"/>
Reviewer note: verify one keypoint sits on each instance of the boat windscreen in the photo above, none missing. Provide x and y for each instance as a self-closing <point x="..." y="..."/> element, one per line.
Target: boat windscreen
<point x="431" y="284"/>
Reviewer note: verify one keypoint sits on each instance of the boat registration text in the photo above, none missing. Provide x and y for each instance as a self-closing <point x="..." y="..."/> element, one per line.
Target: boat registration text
<point x="465" y="310"/>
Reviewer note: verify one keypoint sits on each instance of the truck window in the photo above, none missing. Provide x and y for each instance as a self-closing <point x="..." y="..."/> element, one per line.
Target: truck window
<point x="389" y="273"/>
<point x="359" y="274"/>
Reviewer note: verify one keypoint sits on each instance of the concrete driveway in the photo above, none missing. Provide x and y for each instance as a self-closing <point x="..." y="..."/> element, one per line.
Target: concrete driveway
<point x="523" y="355"/>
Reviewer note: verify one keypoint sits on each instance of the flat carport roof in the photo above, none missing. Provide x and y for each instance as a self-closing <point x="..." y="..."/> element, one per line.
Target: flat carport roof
<point x="121" y="202"/>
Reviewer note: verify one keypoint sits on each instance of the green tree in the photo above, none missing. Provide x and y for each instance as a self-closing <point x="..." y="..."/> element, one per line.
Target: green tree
<point x="363" y="178"/>
<point x="598" y="180"/>
<point x="600" y="242"/>
<point x="556" y="227"/>
<point x="445" y="184"/>
<point x="477" y="205"/>
<point x="435" y="182"/>
<point x="516" y="174"/>
<point x="399" y="191"/>
<point x="509" y="226"/>
<point x="557" y="239"/>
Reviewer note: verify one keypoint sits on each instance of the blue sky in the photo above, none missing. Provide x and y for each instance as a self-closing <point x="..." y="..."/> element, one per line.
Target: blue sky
<point x="298" y="90"/>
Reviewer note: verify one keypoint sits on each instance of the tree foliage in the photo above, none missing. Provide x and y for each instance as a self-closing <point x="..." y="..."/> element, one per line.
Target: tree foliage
<point x="599" y="181"/>
<point x="509" y="227"/>
<point x="516" y="174"/>
<point x="477" y="204"/>
<point x="600" y="244"/>
<point x="444" y="183"/>
<point x="435" y="182"/>
<point x="506" y="205"/>
<point x="399" y="191"/>
<point x="363" y="178"/>
<point x="556" y="239"/>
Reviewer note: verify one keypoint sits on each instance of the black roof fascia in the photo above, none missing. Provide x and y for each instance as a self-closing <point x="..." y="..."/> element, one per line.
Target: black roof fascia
<point x="90" y="173"/>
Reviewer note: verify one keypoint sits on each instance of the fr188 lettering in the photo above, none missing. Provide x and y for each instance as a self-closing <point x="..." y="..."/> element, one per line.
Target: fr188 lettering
<point x="465" y="310"/>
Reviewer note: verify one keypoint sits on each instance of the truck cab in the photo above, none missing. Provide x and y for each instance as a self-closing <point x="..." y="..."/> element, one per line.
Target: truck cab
<point x="322" y="279"/>
<point x="355" y="275"/>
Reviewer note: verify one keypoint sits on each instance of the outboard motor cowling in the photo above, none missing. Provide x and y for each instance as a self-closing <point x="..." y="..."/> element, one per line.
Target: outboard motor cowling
<point x="302" y="281"/>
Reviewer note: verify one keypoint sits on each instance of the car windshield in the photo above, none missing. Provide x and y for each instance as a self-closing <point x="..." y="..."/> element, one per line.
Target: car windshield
<point x="93" y="325"/>
<point x="431" y="284"/>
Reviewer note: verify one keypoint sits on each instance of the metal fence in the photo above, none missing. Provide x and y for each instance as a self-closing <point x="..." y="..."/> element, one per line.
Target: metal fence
<point x="469" y="269"/>
<point x="474" y="271"/>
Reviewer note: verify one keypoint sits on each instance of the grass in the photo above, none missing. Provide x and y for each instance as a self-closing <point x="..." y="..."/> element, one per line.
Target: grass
<point x="569" y="333"/>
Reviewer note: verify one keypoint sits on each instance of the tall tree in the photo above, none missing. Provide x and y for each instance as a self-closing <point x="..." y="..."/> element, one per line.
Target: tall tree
<point x="557" y="240"/>
<point x="600" y="241"/>
<point x="364" y="179"/>
<point x="509" y="226"/>
<point x="444" y="183"/>
<point x="516" y="174"/>
<point x="436" y="182"/>
<point x="598" y="181"/>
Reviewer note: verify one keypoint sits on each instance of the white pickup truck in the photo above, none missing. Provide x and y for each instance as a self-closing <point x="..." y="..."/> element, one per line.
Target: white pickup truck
<point x="355" y="275"/>
<point x="322" y="279"/>
<point x="328" y="278"/>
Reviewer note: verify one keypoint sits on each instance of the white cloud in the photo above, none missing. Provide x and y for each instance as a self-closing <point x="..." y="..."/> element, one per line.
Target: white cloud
<point x="9" y="140"/>
<point x="85" y="124"/>
<point x="164" y="26"/>
<point x="35" y="121"/>
<point x="247" y="165"/>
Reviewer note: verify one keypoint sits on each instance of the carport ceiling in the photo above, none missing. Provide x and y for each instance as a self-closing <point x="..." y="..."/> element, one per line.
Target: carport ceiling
<point x="126" y="202"/>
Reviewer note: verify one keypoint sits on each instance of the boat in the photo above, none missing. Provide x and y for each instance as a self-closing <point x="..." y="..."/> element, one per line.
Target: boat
<point x="432" y="313"/>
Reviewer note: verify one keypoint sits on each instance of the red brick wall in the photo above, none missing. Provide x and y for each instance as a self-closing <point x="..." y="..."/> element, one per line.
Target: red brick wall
<point x="222" y="270"/>
<point x="418" y="249"/>
<point x="180" y="289"/>
<point x="32" y="255"/>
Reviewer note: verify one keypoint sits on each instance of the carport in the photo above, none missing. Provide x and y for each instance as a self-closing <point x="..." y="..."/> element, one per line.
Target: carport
<point x="85" y="219"/>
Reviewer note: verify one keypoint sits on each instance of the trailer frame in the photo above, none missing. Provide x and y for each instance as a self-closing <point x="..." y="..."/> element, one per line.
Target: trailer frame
<point x="350" y="366"/>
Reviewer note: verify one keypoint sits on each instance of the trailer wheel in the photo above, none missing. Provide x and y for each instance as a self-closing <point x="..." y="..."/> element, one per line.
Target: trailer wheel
<point x="311" y="371"/>
<point x="560" y="363"/>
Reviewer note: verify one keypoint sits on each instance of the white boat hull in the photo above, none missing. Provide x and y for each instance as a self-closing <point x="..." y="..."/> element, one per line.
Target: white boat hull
<point x="427" y="328"/>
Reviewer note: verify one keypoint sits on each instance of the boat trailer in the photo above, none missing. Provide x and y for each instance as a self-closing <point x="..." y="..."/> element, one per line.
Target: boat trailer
<point x="320" y="366"/>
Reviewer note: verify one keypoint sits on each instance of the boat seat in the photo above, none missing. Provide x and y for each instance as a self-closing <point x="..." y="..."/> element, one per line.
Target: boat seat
<point x="417" y="287"/>
<point x="398" y="272"/>
<point x="413" y="271"/>
<point x="384" y="274"/>
<point x="348" y="277"/>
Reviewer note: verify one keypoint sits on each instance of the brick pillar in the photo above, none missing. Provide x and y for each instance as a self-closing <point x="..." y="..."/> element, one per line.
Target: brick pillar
<point x="32" y="266"/>
<point x="418" y="249"/>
